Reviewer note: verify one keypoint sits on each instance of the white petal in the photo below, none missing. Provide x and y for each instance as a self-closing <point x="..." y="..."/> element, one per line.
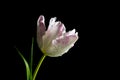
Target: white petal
<point x="55" y="29"/>
<point x="72" y="32"/>
<point x="40" y="30"/>
<point x="51" y="23"/>
<point x="61" y="45"/>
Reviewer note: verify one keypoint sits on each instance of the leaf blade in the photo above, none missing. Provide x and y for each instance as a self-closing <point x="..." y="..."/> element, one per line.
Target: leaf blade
<point x="26" y="65"/>
<point x="31" y="58"/>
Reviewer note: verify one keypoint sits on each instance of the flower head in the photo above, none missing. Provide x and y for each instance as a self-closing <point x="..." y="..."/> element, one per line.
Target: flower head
<point x="54" y="41"/>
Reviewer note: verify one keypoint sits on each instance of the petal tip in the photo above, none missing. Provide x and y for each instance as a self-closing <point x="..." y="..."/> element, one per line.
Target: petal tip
<point x="52" y="20"/>
<point x="40" y="19"/>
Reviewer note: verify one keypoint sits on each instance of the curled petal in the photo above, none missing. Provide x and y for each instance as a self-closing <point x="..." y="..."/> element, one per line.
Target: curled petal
<point x="40" y="29"/>
<point x="52" y="22"/>
<point x="62" y="44"/>
<point x="55" y="29"/>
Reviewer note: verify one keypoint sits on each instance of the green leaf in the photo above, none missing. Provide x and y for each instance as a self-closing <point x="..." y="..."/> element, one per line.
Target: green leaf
<point x="31" y="58"/>
<point x="26" y="64"/>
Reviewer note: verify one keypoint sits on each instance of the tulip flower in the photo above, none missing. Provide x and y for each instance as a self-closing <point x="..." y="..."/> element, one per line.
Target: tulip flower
<point x="54" y="41"/>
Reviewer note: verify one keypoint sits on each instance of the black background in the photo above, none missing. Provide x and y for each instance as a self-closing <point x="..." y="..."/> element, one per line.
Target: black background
<point x="86" y="60"/>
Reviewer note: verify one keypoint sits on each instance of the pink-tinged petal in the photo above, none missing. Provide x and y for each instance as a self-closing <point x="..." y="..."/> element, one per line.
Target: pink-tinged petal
<point x="72" y="32"/>
<point x="61" y="45"/>
<point x="40" y="30"/>
<point x="51" y="23"/>
<point x="55" y="29"/>
<point x="61" y="29"/>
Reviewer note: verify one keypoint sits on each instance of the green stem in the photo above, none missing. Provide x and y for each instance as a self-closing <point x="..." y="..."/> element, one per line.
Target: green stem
<point x="38" y="66"/>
